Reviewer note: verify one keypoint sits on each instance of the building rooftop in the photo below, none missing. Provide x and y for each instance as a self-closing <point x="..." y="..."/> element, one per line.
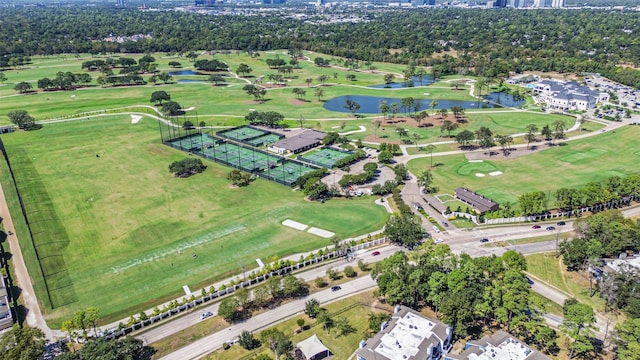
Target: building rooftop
<point x="499" y="346"/>
<point x="300" y="141"/>
<point x="476" y="200"/>
<point x="408" y="336"/>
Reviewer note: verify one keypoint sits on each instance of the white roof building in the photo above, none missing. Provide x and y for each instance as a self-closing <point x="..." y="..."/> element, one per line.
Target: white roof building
<point x="568" y="95"/>
<point x="408" y="336"/>
<point x="498" y="346"/>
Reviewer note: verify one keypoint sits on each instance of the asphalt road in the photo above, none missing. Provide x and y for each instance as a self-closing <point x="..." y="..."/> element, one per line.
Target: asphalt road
<point x="207" y="344"/>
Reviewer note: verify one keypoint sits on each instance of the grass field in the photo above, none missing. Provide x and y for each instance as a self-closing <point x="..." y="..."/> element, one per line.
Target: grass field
<point x="546" y="266"/>
<point x="573" y="165"/>
<point x="127" y="230"/>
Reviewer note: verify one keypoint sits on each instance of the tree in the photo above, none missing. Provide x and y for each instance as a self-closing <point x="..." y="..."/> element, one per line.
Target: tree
<point x="385" y="156"/>
<point x="312" y="308"/>
<point x="430" y="148"/>
<point x="187" y="167"/>
<point x="228" y="309"/>
<point x="343" y="326"/>
<point x="384" y="108"/>
<point x="257" y="92"/>
<point x="158" y="96"/>
<point x="239" y="178"/>
<point x="434" y="104"/>
<point x="558" y="130"/>
<point x="23" y="120"/>
<point x="174" y="64"/>
<point x="171" y="108"/>
<point x="277" y="341"/>
<point x="243" y="69"/>
<point x="415" y="136"/>
<point x="376" y="125"/>
<point x="547" y="132"/>
<point x="22" y="343"/>
<point x="448" y="126"/>
<point x="319" y="93"/>
<point x="23" y="87"/>
<point x="578" y="323"/>
<point x="3" y="77"/>
<point x="425" y="180"/>
<point x="293" y="286"/>
<point x="326" y="320"/>
<point x="465" y="137"/>
<point x="308" y="81"/>
<point x="388" y="79"/>
<point x="352" y="106"/>
<point x="315" y="189"/>
<point x="404" y="229"/>
<point x="628" y="339"/>
<point x="103" y="348"/>
<point x="216" y="79"/>
<point x="248" y="341"/>
<point x="530" y="136"/>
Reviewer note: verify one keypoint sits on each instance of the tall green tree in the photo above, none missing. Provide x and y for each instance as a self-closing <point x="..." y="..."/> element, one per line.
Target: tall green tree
<point x="22" y="343"/>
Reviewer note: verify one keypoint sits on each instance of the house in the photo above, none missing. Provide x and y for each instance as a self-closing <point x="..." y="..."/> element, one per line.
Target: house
<point x="568" y="95"/>
<point x="480" y="203"/>
<point x="298" y="143"/>
<point x="498" y="346"/>
<point x="407" y="336"/>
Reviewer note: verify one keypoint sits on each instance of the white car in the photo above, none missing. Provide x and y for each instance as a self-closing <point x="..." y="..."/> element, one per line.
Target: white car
<point x="438" y="240"/>
<point x="436" y="229"/>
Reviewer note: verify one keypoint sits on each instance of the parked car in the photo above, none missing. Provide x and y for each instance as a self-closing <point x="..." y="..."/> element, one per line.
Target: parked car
<point x="375" y="253"/>
<point x="438" y="240"/>
<point x="551" y="228"/>
<point x="561" y="223"/>
<point x="206" y="315"/>
<point x="484" y="240"/>
<point x="335" y="288"/>
<point x="536" y="226"/>
<point x="436" y="229"/>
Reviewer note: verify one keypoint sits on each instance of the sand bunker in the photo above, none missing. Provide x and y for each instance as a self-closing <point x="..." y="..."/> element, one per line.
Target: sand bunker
<point x="319" y="232"/>
<point x="495" y="173"/>
<point x="135" y="119"/>
<point x="480" y="175"/>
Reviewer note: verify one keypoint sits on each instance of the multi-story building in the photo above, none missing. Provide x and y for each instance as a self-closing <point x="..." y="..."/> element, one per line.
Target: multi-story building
<point x="6" y="319"/>
<point x="567" y="95"/>
<point x="408" y="336"/>
<point x="498" y="346"/>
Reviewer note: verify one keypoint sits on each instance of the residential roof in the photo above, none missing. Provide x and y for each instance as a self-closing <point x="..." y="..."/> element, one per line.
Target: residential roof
<point x="301" y="141"/>
<point x="408" y="336"/>
<point x="311" y="346"/>
<point x="498" y="346"/>
<point x="476" y="200"/>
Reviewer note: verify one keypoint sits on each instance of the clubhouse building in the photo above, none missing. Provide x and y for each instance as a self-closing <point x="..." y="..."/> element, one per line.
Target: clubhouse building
<point x="298" y="143"/>
<point x="567" y="95"/>
<point x="479" y="203"/>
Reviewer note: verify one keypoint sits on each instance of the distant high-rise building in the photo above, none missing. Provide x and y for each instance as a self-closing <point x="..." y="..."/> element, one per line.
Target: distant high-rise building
<point x="499" y="3"/>
<point x="120" y="3"/>
<point x="516" y="3"/>
<point x="207" y="2"/>
<point x="557" y="3"/>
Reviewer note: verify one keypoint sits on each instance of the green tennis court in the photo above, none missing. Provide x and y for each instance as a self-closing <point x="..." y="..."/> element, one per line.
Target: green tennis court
<point x="242" y="133"/>
<point x="325" y="157"/>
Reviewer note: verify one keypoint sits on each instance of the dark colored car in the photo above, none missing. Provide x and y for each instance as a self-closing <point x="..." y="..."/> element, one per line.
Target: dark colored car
<point x="551" y="228"/>
<point x="561" y="223"/>
<point x="206" y="315"/>
<point x="375" y="253"/>
<point x="484" y="240"/>
<point x="536" y="226"/>
<point x="335" y="288"/>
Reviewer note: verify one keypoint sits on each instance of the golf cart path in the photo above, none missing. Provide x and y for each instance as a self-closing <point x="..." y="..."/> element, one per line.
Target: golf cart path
<point x="20" y="276"/>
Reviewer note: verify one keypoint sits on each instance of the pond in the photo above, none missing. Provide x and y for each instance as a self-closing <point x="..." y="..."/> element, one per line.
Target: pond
<point x="503" y="99"/>
<point x="416" y="81"/>
<point x="185" y="73"/>
<point x="371" y="104"/>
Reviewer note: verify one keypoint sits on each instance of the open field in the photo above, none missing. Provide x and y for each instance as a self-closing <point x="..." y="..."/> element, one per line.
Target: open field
<point x="127" y="230"/>
<point x="573" y="165"/>
<point x="546" y="266"/>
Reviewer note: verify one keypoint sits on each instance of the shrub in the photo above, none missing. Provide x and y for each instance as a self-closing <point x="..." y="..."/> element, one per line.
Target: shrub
<point x="349" y="272"/>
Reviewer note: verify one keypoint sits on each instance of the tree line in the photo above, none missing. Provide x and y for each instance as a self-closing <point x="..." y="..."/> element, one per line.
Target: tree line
<point x="487" y="43"/>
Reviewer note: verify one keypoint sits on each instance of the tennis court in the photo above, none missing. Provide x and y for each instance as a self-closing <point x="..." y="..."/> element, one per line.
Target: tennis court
<point x="242" y="133"/>
<point x="239" y="157"/>
<point x="264" y="140"/>
<point x="288" y="172"/>
<point x="324" y="157"/>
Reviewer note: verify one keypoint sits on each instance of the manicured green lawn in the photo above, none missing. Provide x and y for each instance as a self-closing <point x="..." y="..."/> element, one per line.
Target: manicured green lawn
<point x="573" y="165"/>
<point x="128" y="230"/>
